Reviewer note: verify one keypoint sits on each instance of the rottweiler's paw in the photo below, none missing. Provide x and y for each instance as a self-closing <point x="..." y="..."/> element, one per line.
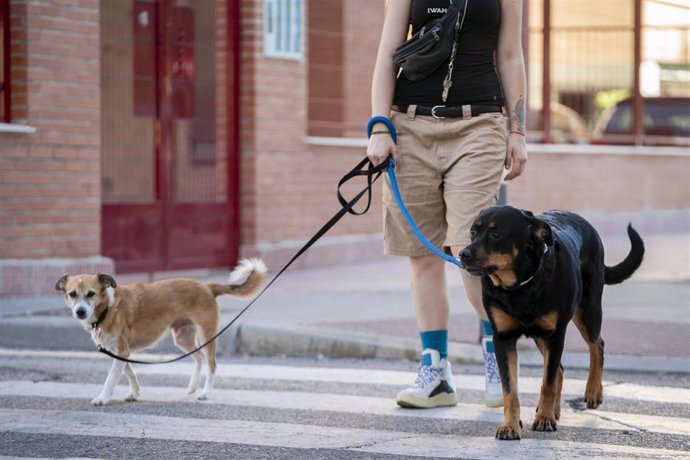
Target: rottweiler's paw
<point x="508" y="432"/>
<point x="594" y="397"/>
<point x="557" y="412"/>
<point x="544" y="424"/>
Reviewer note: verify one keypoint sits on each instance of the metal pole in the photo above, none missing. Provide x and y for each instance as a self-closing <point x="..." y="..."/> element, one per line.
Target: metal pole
<point x="637" y="106"/>
<point x="546" y="74"/>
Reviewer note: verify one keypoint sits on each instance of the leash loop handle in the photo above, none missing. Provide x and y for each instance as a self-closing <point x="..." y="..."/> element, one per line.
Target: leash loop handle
<point x="386" y="121"/>
<point x="371" y="172"/>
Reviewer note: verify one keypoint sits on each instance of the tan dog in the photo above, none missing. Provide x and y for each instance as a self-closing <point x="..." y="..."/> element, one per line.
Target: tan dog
<point x="123" y="319"/>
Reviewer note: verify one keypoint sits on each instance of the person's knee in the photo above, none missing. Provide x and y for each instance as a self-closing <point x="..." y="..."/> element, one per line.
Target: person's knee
<point x="429" y="265"/>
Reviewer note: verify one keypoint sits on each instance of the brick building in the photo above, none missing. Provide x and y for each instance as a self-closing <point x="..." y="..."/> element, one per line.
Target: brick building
<point x="154" y="135"/>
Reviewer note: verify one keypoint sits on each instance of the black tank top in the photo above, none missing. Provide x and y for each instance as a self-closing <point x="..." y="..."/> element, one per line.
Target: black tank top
<point x="475" y="80"/>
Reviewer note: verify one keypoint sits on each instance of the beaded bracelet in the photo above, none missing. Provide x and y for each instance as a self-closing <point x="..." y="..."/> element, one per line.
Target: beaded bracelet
<point x="518" y="132"/>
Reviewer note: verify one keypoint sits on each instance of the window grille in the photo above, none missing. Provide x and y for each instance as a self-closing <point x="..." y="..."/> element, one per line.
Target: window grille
<point x="283" y="29"/>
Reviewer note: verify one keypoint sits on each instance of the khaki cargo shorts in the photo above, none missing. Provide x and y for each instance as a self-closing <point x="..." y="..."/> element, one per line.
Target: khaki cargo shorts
<point x="450" y="169"/>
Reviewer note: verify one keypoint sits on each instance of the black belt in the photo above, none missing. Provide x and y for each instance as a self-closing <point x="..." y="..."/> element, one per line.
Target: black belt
<point x="455" y="111"/>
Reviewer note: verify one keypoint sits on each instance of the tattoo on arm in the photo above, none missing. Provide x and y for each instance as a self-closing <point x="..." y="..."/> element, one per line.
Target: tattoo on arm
<point x="519" y="114"/>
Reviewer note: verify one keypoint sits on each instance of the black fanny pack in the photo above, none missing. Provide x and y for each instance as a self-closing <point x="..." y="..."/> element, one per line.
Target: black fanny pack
<point x="426" y="50"/>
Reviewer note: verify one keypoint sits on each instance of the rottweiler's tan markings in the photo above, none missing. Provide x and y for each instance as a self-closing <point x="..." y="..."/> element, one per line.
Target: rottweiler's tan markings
<point x="547" y="322"/>
<point x="503" y="321"/>
<point x="504" y="276"/>
<point x="510" y="430"/>
<point x="594" y="392"/>
<point x="549" y="406"/>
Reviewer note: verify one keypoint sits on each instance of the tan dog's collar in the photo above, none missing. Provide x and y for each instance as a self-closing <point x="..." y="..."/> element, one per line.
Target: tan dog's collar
<point x="101" y="318"/>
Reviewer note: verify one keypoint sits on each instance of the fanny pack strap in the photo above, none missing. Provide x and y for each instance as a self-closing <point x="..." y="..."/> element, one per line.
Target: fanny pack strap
<point x="448" y="81"/>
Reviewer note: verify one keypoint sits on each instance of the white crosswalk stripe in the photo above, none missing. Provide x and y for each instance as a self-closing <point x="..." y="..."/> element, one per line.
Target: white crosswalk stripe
<point x="397" y="378"/>
<point x="659" y="394"/>
<point x="72" y="416"/>
<point x="355" y="404"/>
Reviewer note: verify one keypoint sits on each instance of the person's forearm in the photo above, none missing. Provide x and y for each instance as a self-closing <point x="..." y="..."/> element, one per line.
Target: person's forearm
<point x="382" y="87"/>
<point x="513" y="82"/>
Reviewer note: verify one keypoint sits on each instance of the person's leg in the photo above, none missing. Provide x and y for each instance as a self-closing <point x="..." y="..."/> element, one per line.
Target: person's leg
<point x="493" y="393"/>
<point x="428" y="276"/>
<point x="419" y="182"/>
<point x="473" y="290"/>
<point x="471" y="183"/>
<point x="434" y="384"/>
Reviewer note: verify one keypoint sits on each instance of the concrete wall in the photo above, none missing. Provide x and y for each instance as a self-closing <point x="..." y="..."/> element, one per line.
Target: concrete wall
<point x="610" y="185"/>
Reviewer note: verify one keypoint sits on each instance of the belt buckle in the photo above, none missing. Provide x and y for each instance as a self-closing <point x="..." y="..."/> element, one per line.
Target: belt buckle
<point x="433" y="111"/>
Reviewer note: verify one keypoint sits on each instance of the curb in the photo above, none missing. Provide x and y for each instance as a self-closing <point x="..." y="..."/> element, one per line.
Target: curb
<point x="262" y="339"/>
<point x="265" y="339"/>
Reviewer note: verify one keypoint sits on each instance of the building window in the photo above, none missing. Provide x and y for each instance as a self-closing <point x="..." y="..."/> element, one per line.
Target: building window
<point x="283" y="29"/>
<point x="620" y="76"/>
<point x="5" y="61"/>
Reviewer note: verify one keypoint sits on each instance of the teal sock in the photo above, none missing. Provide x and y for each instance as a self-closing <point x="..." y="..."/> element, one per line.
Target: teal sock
<point x="486" y="328"/>
<point x="436" y="340"/>
<point x="489" y="334"/>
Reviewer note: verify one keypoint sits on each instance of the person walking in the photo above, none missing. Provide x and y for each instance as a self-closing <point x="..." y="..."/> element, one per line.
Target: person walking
<point x="450" y="158"/>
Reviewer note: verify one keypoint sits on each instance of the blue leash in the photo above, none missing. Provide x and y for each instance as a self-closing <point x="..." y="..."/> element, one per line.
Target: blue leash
<point x="420" y="236"/>
<point x="398" y="199"/>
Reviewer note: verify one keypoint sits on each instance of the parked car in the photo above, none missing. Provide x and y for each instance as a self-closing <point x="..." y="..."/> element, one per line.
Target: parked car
<point x="666" y="121"/>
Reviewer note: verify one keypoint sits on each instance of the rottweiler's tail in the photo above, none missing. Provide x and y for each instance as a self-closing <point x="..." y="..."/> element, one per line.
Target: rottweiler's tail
<point x="624" y="270"/>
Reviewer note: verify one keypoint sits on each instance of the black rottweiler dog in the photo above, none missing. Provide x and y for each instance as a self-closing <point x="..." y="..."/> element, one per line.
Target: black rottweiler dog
<point x="538" y="273"/>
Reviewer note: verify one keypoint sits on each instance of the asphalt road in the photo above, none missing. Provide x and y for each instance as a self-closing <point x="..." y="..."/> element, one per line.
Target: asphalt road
<point x="292" y="408"/>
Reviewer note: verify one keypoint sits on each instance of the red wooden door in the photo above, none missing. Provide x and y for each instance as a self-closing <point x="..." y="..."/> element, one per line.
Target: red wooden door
<point x="169" y="137"/>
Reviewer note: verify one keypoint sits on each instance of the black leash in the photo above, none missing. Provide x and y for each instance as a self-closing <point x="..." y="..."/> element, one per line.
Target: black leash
<point x="371" y="172"/>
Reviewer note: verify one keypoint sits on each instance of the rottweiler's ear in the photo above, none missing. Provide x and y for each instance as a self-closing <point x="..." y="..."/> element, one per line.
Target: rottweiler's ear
<point x="62" y="282"/>
<point x="106" y="281"/>
<point x="527" y="213"/>
<point x="541" y="231"/>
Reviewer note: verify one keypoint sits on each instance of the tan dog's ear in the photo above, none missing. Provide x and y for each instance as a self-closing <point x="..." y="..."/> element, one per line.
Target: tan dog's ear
<point x="106" y="281"/>
<point x="62" y="282"/>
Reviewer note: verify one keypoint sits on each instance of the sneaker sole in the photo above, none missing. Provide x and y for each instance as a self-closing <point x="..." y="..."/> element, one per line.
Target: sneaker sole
<point x="440" y="400"/>
<point x="493" y="398"/>
<point x="493" y="402"/>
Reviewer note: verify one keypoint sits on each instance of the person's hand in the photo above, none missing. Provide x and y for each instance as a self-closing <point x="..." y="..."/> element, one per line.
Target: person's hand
<point x="516" y="155"/>
<point x="380" y="146"/>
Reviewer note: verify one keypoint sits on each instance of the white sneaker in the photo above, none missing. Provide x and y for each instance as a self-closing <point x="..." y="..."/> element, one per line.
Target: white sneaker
<point x="433" y="386"/>
<point x="493" y="391"/>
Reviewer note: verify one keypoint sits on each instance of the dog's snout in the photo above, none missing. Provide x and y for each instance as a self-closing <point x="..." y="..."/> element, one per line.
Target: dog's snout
<point x="466" y="254"/>
<point x="80" y="312"/>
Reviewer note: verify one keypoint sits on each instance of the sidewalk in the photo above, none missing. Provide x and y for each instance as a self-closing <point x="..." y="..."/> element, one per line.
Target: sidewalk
<point x="364" y="310"/>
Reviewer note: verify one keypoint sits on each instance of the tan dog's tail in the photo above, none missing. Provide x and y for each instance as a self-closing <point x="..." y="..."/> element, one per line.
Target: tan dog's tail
<point x="253" y="271"/>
